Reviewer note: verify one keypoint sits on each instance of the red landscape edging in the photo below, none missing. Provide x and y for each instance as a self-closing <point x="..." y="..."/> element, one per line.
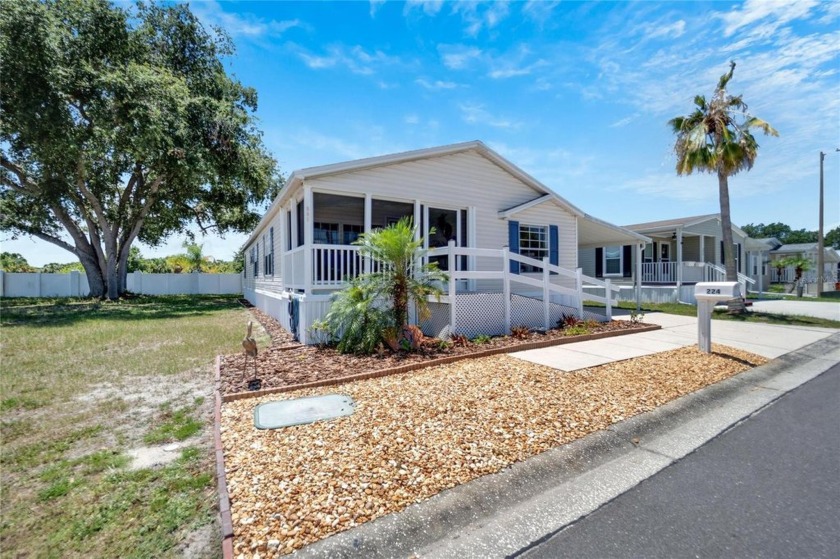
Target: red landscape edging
<point x="224" y="497"/>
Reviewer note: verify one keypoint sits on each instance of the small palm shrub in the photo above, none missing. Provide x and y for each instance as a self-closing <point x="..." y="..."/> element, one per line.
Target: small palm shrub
<point x="356" y="320"/>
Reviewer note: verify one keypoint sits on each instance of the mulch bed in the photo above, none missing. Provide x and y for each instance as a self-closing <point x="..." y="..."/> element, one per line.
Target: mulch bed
<point x="287" y="363"/>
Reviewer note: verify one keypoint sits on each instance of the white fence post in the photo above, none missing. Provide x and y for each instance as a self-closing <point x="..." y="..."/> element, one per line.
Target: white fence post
<point x="38" y="284"/>
<point x="546" y="293"/>
<point x="450" y="263"/>
<point x="506" y="285"/>
<point x="609" y="298"/>
<point x="579" y="286"/>
<point x="2" y="283"/>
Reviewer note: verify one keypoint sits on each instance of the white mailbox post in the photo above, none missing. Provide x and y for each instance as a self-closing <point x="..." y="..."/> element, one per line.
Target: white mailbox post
<point x="708" y="293"/>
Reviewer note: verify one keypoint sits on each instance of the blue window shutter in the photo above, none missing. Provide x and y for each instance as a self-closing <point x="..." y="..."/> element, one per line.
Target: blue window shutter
<point x="554" y="245"/>
<point x="513" y="244"/>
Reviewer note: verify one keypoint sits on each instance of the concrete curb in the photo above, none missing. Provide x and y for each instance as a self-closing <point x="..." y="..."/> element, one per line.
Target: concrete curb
<point x="504" y="514"/>
<point x="442" y="361"/>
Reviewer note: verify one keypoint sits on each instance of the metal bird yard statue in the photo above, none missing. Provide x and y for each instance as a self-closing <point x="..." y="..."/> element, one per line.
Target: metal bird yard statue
<point x="250" y="346"/>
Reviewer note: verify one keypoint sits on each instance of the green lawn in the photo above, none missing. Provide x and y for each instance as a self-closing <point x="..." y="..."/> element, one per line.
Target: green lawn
<point x="82" y="383"/>
<point x="721" y="314"/>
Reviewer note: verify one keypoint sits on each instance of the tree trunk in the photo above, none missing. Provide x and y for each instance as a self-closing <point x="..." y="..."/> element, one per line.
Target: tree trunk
<point x="96" y="283"/>
<point x="734" y="306"/>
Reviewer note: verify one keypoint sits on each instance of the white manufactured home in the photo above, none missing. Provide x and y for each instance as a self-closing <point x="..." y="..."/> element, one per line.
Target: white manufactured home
<point x="680" y="252"/>
<point x="509" y="244"/>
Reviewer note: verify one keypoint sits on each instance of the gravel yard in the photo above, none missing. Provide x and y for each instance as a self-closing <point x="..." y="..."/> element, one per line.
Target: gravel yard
<point x="414" y="435"/>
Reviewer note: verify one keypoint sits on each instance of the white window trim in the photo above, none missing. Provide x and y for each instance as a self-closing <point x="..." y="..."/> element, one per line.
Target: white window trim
<point x="547" y="230"/>
<point x="620" y="272"/>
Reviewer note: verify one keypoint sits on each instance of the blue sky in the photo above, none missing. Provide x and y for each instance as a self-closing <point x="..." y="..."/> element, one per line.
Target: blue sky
<point x="577" y="94"/>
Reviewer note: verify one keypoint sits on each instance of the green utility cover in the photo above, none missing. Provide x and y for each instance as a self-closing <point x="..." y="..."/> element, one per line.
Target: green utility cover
<point x="285" y="413"/>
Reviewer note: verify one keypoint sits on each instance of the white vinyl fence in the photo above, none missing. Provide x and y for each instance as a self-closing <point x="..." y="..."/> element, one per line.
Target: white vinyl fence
<point x="75" y="284"/>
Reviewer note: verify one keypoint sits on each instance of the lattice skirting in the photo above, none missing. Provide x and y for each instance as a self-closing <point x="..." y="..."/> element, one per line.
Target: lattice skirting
<point x="484" y="313"/>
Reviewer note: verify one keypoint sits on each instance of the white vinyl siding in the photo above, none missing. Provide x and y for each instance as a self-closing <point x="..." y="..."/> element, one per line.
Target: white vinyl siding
<point x="460" y="180"/>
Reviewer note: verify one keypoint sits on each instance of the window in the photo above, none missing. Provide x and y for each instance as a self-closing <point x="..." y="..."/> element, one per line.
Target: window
<point x="648" y="253"/>
<point x="612" y="261"/>
<point x="256" y="259"/>
<point x="271" y="252"/>
<point x="533" y="243"/>
<point x="300" y="226"/>
<point x="325" y="233"/>
<point x="350" y="233"/>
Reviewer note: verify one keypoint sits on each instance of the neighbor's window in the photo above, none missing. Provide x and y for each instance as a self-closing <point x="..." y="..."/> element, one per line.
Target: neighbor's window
<point x="533" y="242"/>
<point x="350" y="233"/>
<point x="612" y="261"/>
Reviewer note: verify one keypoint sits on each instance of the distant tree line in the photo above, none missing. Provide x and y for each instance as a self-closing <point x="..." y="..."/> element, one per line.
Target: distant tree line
<point x="193" y="260"/>
<point x="788" y="236"/>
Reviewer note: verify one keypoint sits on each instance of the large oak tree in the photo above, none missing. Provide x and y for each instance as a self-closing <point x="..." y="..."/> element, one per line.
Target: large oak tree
<point x="118" y="124"/>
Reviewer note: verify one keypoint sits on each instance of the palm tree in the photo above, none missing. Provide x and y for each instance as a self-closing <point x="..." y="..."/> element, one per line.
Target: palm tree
<point x="716" y="138"/>
<point x="401" y="279"/>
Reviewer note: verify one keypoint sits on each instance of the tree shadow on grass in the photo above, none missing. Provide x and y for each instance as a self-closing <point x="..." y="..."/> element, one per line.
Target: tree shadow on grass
<point x="60" y="312"/>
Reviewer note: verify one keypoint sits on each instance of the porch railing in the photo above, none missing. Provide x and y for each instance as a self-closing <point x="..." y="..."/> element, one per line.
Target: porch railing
<point x="659" y="272"/>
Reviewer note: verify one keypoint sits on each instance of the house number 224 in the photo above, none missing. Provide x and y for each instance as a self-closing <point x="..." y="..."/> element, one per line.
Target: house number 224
<point x="713" y="291"/>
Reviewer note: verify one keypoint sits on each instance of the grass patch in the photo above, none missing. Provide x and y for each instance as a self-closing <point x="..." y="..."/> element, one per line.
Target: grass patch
<point x="176" y="425"/>
<point x="720" y="314"/>
<point x="73" y="375"/>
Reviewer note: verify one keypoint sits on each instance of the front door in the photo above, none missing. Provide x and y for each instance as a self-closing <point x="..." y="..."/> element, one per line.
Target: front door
<point x="444" y="225"/>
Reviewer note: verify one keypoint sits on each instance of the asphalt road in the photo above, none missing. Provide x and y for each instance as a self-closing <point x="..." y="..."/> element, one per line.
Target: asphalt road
<point x="769" y="487"/>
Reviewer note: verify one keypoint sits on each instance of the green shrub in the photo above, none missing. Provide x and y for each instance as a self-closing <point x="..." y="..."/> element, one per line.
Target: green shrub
<point x="356" y="320"/>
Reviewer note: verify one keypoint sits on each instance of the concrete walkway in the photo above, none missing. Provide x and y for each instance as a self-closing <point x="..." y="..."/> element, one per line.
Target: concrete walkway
<point x="818" y="309"/>
<point x="766" y="340"/>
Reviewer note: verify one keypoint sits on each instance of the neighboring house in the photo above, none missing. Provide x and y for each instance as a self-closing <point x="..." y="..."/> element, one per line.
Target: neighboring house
<point x="509" y="243"/>
<point x="758" y="261"/>
<point x="809" y="252"/>
<point x="680" y="253"/>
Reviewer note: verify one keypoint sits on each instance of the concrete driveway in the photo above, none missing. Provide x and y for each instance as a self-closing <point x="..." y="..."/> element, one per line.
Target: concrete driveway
<point x="767" y="340"/>
<point x="818" y="309"/>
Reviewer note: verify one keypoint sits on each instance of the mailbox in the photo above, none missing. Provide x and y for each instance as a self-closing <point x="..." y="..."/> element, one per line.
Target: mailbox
<point x="717" y="290"/>
<point x="708" y="293"/>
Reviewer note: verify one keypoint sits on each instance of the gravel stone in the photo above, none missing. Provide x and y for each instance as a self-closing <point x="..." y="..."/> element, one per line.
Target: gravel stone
<point x="416" y="434"/>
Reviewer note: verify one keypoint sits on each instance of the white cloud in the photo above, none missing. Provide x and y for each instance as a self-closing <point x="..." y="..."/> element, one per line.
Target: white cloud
<point x="458" y="57"/>
<point x="374" y="6"/>
<point x="478" y="16"/>
<point x="673" y="31"/>
<point x="244" y="25"/>
<point x="436" y="85"/>
<point x="539" y="11"/>
<point x="514" y="64"/>
<point x="355" y="59"/>
<point x="429" y="7"/>
<point x="475" y="113"/>
<point x="774" y="13"/>
<point x="411" y="119"/>
<point x="624" y="121"/>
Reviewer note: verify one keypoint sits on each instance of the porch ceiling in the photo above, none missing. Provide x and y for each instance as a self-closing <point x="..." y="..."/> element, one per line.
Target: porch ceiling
<point x="592" y="232"/>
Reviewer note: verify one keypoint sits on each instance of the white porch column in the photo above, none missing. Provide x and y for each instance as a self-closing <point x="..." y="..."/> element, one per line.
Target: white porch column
<point x="546" y="293"/>
<point x="452" y="288"/>
<point x="702" y="248"/>
<point x="506" y="285"/>
<point x="293" y="211"/>
<point x="639" y="255"/>
<point x="579" y="286"/>
<point x="679" y="259"/>
<point x="308" y="232"/>
<point x="471" y="242"/>
<point x="283" y="243"/>
<point x="368" y="221"/>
